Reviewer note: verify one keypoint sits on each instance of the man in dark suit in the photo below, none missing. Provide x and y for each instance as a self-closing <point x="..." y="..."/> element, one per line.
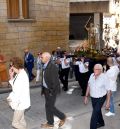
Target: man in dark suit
<point x="50" y="89"/>
<point x="29" y="63"/>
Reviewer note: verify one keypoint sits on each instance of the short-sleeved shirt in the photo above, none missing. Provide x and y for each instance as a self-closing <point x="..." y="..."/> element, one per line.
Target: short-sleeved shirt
<point x="82" y="68"/>
<point x="112" y="74"/>
<point x="98" y="86"/>
<point x="63" y="64"/>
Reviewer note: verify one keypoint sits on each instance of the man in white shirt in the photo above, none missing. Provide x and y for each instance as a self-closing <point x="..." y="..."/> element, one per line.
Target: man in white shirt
<point x="112" y="74"/>
<point x="65" y="68"/>
<point x="118" y="61"/>
<point x="98" y="89"/>
<point x="83" y="74"/>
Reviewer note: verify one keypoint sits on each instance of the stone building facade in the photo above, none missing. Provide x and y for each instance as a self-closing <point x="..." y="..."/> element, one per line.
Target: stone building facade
<point x="45" y="30"/>
<point x="92" y="12"/>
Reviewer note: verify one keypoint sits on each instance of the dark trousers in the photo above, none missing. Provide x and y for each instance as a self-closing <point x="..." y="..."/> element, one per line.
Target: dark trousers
<point x="97" y="117"/>
<point x="64" y="77"/>
<point x="83" y="81"/>
<point x="76" y="71"/>
<point x="30" y="74"/>
<point x="50" y="108"/>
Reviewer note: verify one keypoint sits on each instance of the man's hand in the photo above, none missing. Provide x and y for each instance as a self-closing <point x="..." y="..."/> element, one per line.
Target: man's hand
<point x="85" y="100"/>
<point x="107" y="106"/>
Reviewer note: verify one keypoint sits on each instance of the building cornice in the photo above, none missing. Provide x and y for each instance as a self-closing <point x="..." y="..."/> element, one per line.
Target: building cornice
<point x="87" y="0"/>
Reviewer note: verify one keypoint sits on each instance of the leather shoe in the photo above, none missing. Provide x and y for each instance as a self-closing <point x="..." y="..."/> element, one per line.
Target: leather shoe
<point x="100" y="125"/>
<point x="46" y="125"/>
<point x="62" y="122"/>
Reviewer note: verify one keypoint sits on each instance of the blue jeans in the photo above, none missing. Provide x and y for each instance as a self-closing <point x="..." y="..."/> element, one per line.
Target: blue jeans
<point x="112" y="109"/>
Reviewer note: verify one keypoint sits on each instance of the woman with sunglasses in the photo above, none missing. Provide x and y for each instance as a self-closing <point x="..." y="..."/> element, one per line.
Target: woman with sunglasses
<point x="19" y="98"/>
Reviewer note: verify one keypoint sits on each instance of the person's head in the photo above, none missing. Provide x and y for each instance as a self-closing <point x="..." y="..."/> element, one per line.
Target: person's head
<point x="118" y="60"/>
<point x="82" y="57"/>
<point x="91" y="25"/>
<point x="65" y="53"/>
<point x="53" y="52"/>
<point x="17" y="63"/>
<point x="46" y="56"/>
<point x="58" y="49"/>
<point x="98" y="69"/>
<point x="39" y="54"/>
<point x="26" y="50"/>
<point x="110" y="61"/>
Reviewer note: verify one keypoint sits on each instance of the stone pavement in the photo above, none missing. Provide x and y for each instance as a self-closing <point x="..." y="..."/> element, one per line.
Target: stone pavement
<point x="71" y="103"/>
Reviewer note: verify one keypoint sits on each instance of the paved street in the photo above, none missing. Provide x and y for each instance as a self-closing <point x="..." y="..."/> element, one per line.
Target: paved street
<point x="71" y="103"/>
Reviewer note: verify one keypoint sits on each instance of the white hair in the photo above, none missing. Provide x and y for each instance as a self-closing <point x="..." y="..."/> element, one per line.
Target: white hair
<point x="99" y="66"/>
<point x="47" y="55"/>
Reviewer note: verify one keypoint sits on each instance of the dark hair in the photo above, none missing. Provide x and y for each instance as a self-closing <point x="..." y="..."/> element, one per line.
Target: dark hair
<point x="17" y="62"/>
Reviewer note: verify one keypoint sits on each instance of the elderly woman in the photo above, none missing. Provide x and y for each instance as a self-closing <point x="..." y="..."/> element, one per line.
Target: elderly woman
<point x="19" y="98"/>
<point x="98" y="90"/>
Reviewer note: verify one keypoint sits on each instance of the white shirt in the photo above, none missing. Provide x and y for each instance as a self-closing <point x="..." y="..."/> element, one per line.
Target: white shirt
<point x="115" y="61"/>
<point x="64" y="66"/>
<point x="98" y="86"/>
<point x="112" y="74"/>
<point x="82" y="68"/>
<point x="20" y="95"/>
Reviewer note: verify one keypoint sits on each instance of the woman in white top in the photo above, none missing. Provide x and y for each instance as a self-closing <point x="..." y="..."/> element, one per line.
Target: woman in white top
<point x="19" y="98"/>
<point x="112" y="74"/>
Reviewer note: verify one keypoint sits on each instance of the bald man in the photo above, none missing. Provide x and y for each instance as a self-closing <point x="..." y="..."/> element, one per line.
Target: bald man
<point x="50" y="89"/>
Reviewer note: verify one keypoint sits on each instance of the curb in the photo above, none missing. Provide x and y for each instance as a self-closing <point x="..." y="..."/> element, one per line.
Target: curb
<point x="32" y="86"/>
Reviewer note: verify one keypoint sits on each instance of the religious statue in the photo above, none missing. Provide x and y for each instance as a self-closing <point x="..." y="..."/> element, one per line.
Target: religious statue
<point x="106" y="34"/>
<point x="91" y="34"/>
<point x="97" y="36"/>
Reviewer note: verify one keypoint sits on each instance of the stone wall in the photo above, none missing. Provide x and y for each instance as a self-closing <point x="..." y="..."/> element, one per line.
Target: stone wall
<point x="91" y="7"/>
<point x="49" y="30"/>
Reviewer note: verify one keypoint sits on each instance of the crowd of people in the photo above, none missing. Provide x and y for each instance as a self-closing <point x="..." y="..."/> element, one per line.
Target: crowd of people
<point x="96" y="79"/>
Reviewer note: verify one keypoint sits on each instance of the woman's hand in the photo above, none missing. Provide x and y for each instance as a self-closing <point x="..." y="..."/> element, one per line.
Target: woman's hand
<point x="11" y="73"/>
